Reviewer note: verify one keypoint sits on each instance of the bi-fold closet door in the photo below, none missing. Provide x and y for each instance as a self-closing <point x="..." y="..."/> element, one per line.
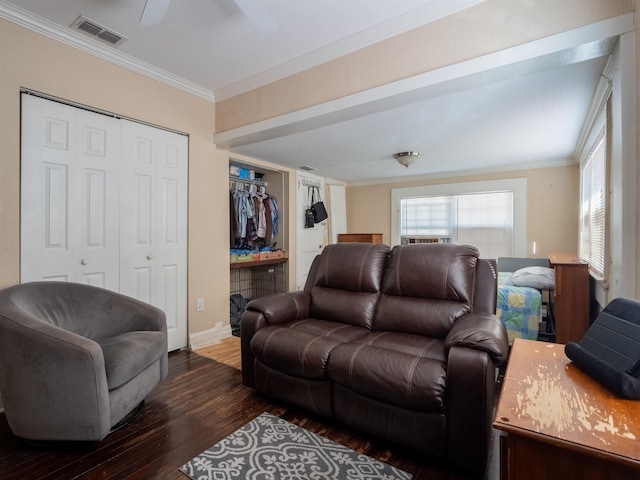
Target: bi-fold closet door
<point x="153" y="223"/>
<point x="104" y="202"/>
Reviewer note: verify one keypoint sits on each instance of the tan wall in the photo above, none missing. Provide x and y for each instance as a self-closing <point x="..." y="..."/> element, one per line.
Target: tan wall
<point x="33" y="61"/>
<point x="485" y="28"/>
<point x="552" y="206"/>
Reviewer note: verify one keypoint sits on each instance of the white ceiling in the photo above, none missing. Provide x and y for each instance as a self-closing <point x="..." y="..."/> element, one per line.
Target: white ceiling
<point x="521" y="113"/>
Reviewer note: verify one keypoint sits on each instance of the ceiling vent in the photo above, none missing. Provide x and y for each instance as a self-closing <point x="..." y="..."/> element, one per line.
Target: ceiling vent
<point x="307" y="168"/>
<point x="94" y="29"/>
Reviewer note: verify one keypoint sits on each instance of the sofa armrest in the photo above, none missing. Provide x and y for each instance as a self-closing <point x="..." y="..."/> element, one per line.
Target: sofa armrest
<point x="282" y="307"/>
<point x="480" y="331"/>
<point x="471" y="384"/>
<point x="265" y="311"/>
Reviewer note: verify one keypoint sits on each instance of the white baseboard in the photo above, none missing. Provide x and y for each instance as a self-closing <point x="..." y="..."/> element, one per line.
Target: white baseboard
<point x="209" y="337"/>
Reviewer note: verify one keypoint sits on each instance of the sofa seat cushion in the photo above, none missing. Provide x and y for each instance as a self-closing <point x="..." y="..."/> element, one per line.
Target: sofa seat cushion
<point x="302" y="348"/>
<point x="128" y="354"/>
<point x="393" y="367"/>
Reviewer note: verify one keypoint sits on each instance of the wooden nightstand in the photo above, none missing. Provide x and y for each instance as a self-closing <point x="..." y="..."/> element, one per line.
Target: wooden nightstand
<point x="562" y="424"/>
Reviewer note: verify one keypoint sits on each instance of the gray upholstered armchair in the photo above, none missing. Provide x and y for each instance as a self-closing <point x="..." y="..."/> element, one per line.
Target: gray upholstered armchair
<point x="75" y="360"/>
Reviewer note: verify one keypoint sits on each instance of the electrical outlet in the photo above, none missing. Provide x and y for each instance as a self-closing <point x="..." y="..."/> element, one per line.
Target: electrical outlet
<point x="199" y="304"/>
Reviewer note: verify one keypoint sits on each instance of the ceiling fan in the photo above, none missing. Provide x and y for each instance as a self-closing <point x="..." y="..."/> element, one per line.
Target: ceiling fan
<point x="255" y="11"/>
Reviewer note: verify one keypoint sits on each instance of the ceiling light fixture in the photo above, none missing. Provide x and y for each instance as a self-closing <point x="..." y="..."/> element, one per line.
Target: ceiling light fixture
<point x="406" y="158"/>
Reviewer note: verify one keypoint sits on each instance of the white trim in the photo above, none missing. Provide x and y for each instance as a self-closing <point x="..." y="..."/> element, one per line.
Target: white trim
<point x="596" y="109"/>
<point x="517" y="185"/>
<point x="409" y="89"/>
<point x="623" y="169"/>
<point x="74" y="39"/>
<point x="413" y="19"/>
<point x="211" y="336"/>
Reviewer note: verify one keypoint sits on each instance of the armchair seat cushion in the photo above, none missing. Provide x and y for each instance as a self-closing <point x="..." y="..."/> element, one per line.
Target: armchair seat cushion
<point x="301" y="348"/>
<point x="126" y="355"/>
<point x="400" y="369"/>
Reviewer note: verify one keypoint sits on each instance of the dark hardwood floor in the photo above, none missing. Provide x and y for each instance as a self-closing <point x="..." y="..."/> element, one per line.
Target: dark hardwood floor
<point x="200" y="402"/>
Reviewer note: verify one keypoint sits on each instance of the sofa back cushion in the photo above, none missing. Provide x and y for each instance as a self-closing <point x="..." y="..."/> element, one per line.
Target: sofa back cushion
<point x="426" y="288"/>
<point x="347" y="282"/>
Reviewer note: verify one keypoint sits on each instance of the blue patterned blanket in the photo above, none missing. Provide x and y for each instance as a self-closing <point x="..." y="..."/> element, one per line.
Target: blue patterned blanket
<point x="519" y="308"/>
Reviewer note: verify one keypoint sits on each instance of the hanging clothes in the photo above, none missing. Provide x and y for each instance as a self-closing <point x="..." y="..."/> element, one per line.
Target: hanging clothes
<point x="233" y="219"/>
<point x="243" y="218"/>
<point x="275" y="215"/>
<point x="253" y="217"/>
<point x="259" y="198"/>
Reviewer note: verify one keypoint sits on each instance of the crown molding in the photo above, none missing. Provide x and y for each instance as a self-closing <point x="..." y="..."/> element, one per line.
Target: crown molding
<point x="67" y="36"/>
<point x="378" y="33"/>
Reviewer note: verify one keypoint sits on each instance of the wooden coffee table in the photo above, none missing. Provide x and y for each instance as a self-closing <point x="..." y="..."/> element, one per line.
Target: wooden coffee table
<point x="562" y="424"/>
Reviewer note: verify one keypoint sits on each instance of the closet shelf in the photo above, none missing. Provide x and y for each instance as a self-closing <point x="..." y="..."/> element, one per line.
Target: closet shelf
<point x="246" y="181"/>
<point x="257" y="263"/>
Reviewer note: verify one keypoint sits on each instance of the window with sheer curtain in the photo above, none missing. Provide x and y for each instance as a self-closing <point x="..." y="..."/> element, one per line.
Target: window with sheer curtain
<point x="483" y="219"/>
<point x="593" y="207"/>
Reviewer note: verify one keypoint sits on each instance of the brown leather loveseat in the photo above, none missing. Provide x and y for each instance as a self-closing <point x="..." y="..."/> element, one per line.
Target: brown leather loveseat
<point x="401" y="344"/>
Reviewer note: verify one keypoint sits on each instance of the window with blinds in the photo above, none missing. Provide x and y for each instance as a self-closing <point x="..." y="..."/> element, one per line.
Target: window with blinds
<point x="484" y="220"/>
<point x="593" y="208"/>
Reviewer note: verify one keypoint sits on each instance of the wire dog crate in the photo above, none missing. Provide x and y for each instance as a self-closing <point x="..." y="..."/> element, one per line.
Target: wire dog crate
<point x="253" y="281"/>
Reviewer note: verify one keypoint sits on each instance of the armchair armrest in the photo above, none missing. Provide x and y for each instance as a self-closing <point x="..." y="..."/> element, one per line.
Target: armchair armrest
<point x="43" y="358"/>
<point x="132" y="315"/>
<point x="480" y="331"/>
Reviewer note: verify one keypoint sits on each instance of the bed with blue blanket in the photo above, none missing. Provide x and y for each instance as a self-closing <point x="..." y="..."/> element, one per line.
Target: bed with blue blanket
<point x="519" y="308"/>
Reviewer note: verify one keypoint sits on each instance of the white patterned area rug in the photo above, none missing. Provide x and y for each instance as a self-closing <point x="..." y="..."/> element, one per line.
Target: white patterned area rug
<point x="270" y="448"/>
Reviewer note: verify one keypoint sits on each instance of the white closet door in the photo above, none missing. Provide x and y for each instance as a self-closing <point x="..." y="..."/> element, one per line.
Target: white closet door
<point x="70" y="170"/>
<point x="337" y="211"/>
<point x="153" y="239"/>
<point x="104" y="202"/>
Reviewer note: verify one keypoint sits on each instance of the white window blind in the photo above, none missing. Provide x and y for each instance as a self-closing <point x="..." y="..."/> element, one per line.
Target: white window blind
<point x="426" y="216"/>
<point x="485" y="220"/>
<point x="593" y="208"/>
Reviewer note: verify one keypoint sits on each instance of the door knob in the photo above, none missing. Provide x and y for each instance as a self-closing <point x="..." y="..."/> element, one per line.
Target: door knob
<point x="84" y="261"/>
<point x="149" y="257"/>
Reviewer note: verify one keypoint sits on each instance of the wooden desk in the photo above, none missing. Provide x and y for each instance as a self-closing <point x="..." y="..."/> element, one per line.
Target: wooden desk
<point x="570" y="297"/>
<point x="360" y="237"/>
<point x="560" y="423"/>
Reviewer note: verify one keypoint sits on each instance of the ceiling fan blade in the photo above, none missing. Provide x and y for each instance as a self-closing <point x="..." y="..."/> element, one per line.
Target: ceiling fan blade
<point x="153" y="13"/>
<point x="258" y="14"/>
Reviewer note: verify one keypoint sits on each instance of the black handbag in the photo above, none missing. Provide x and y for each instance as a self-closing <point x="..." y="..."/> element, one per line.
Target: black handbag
<point x="317" y="206"/>
<point x="308" y="213"/>
<point x="308" y="218"/>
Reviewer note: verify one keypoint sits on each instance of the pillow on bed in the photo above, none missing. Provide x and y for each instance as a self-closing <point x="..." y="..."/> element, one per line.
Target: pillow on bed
<point x="542" y="278"/>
